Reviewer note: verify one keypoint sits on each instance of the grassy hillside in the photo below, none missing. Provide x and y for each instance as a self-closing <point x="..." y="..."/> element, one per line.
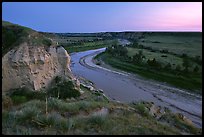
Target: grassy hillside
<point x="13" y="35"/>
<point x="180" y="43"/>
<point x="26" y="113"/>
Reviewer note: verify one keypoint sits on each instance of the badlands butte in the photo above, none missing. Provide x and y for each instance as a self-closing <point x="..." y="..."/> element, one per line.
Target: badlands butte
<point x="40" y="95"/>
<point x="34" y="62"/>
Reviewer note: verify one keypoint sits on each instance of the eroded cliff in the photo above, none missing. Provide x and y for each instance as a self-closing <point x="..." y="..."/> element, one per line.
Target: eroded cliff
<point x="34" y="64"/>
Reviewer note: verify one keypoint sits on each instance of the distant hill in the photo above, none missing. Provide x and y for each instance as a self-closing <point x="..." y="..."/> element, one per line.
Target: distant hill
<point x="131" y="35"/>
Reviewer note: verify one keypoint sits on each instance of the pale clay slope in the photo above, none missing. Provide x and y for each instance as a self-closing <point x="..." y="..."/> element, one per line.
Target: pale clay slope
<point x="34" y="67"/>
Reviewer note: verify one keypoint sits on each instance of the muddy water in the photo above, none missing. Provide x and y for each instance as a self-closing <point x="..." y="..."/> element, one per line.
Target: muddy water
<point x="125" y="87"/>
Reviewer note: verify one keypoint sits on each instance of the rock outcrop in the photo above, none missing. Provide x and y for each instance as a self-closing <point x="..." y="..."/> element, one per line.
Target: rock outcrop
<point x="34" y="67"/>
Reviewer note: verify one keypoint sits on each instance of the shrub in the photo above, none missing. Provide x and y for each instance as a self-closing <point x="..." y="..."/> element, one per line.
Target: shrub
<point x="26" y="94"/>
<point x="137" y="59"/>
<point x="117" y="50"/>
<point x="64" y="90"/>
<point x="21" y="92"/>
<point x="34" y="103"/>
<point x="47" y="121"/>
<point x="60" y="105"/>
<point x="97" y="120"/>
<point x="64" y="124"/>
<point x="142" y="109"/>
<point x="153" y="63"/>
<point x="19" y="99"/>
<point x="47" y="42"/>
<point x="28" y="113"/>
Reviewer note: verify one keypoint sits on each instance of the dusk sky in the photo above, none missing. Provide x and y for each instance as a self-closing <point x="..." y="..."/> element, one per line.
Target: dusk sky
<point x="105" y="16"/>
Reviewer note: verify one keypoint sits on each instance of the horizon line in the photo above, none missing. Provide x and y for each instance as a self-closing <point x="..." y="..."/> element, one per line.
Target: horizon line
<point x="128" y="31"/>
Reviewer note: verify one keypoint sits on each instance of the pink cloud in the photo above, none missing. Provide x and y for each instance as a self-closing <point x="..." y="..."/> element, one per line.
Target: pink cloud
<point x="170" y="16"/>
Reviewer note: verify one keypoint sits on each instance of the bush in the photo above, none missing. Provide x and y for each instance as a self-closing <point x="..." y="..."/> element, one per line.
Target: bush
<point x="142" y="109"/>
<point x="26" y="94"/>
<point x="47" y="42"/>
<point x="19" y="99"/>
<point x="97" y="120"/>
<point x="27" y="114"/>
<point x="64" y="90"/>
<point x="48" y="121"/>
<point x="137" y="58"/>
<point x="153" y="63"/>
<point x="117" y="50"/>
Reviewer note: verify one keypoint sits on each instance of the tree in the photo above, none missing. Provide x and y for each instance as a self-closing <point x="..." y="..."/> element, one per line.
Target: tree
<point x="137" y="58"/>
<point x="154" y="63"/>
<point x="117" y="50"/>
<point x="141" y="53"/>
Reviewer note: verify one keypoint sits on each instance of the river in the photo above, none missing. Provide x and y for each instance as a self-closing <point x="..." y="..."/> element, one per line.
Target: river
<point x="126" y="87"/>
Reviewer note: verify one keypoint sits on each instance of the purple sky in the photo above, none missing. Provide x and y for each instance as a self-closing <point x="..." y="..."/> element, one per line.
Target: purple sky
<point x="105" y="16"/>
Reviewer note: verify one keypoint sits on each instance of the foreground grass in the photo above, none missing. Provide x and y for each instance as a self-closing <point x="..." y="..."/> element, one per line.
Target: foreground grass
<point x="76" y="116"/>
<point x="191" y="82"/>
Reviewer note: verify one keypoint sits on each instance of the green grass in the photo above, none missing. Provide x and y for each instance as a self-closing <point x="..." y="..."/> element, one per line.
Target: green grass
<point x="189" y="43"/>
<point x="30" y="118"/>
<point x="192" y="82"/>
<point x="70" y="40"/>
<point x="172" y="59"/>
<point x="74" y="107"/>
<point x="19" y="99"/>
<point x="22" y="95"/>
<point x="141" y="109"/>
<point x="88" y="46"/>
<point x="13" y="35"/>
<point x="83" y="48"/>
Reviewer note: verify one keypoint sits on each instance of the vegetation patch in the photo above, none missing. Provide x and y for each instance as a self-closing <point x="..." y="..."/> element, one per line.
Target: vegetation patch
<point x="63" y="89"/>
<point x="140" y="63"/>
